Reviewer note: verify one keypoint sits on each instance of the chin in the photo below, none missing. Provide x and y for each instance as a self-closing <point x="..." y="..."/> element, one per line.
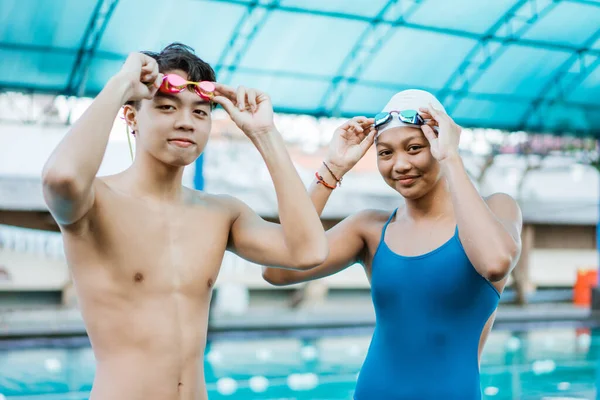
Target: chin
<point x="412" y="192"/>
<point x="182" y="162"/>
<point x="180" y="158"/>
<point x="409" y="193"/>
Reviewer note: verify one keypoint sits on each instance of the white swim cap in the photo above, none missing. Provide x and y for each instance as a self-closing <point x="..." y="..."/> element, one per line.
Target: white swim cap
<point x="411" y="99"/>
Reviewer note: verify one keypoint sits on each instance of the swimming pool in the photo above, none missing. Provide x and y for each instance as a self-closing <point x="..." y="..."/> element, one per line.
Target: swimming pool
<point x="537" y="364"/>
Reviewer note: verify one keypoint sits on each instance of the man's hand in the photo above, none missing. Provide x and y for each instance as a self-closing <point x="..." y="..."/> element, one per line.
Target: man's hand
<point x="141" y="73"/>
<point x="249" y="108"/>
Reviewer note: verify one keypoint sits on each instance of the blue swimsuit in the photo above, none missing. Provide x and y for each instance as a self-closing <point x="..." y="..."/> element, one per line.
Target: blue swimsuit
<point x="430" y="312"/>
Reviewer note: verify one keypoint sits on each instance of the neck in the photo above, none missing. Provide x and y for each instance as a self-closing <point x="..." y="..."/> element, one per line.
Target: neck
<point x="434" y="204"/>
<point x="151" y="178"/>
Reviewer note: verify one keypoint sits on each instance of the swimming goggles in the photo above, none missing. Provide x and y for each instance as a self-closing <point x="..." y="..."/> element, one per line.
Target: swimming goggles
<point x="173" y="83"/>
<point x="410" y="117"/>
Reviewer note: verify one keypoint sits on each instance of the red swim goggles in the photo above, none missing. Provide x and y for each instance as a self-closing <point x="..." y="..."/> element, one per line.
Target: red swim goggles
<point x="173" y="83"/>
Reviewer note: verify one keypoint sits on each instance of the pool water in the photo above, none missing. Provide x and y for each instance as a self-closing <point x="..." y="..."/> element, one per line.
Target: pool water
<point x="538" y="364"/>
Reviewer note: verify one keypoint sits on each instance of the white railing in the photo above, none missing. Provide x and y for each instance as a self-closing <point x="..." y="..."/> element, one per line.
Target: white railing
<point x="22" y="240"/>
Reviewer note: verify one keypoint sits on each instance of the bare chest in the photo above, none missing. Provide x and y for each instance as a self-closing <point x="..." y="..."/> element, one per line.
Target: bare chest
<point x="148" y="247"/>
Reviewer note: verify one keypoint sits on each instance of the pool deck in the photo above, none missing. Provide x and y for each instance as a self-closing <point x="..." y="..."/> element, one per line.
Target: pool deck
<point x="350" y="314"/>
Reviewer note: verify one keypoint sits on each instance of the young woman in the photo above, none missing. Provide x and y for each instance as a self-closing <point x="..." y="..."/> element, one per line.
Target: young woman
<point x="437" y="264"/>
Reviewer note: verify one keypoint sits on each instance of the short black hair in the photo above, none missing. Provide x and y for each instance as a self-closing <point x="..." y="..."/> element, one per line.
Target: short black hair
<point x="180" y="56"/>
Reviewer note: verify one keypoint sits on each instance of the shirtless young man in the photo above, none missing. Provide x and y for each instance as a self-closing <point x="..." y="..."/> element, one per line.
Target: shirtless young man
<point x="144" y="250"/>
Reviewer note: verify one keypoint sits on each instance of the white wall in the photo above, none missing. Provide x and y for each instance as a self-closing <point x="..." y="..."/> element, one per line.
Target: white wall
<point x="32" y="271"/>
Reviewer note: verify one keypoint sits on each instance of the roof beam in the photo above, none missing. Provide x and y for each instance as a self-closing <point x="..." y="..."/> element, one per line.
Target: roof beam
<point x="501" y="97"/>
<point x="586" y="2"/>
<point x="427" y="28"/>
<point x="368" y="44"/>
<point x="513" y="24"/>
<point x="89" y="44"/>
<point x="544" y="45"/>
<point x="244" y="33"/>
<point x="567" y="77"/>
<point x="105" y="55"/>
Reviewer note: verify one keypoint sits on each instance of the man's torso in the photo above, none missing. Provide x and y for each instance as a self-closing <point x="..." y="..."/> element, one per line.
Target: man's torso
<point x="144" y="272"/>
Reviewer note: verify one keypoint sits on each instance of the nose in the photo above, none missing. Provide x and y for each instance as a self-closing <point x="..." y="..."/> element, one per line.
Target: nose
<point x="401" y="165"/>
<point x="184" y="121"/>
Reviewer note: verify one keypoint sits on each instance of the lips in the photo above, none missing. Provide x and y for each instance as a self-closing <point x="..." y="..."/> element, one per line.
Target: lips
<point x="408" y="180"/>
<point x="181" y="142"/>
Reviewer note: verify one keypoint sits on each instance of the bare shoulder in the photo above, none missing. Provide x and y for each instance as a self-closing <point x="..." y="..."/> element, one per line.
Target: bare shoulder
<point x="366" y="225"/>
<point x="368" y="222"/>
<point x="109" y="184"/>
<point x="503" y="205"/>
<point x="506" y="209"/>
<point x="109" y="192"/>
<point x="500" y="197"/>
<point x="232" y="203"/>
<point x="372" y="216"/>
<point x="217" y="202"/>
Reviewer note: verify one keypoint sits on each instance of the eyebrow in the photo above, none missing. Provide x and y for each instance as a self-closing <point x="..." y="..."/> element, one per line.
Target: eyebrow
<point x="176" y="99"/>
<point x="408" y="139"/>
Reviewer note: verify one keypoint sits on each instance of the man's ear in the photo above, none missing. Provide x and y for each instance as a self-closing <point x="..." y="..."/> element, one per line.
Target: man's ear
<point x="129" y="114"/>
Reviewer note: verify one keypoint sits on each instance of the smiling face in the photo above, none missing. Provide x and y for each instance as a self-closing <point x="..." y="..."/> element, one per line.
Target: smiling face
<point x="405" y="162"/>
<point x="173" y="128"/>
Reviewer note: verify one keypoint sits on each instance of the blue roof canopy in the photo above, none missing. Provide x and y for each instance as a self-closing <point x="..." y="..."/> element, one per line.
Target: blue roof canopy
<point x="508" y="64"/>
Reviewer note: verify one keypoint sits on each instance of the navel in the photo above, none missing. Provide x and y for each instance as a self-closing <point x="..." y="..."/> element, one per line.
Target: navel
<point x="210" y="282"/>
<point x="138" y="277"/>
